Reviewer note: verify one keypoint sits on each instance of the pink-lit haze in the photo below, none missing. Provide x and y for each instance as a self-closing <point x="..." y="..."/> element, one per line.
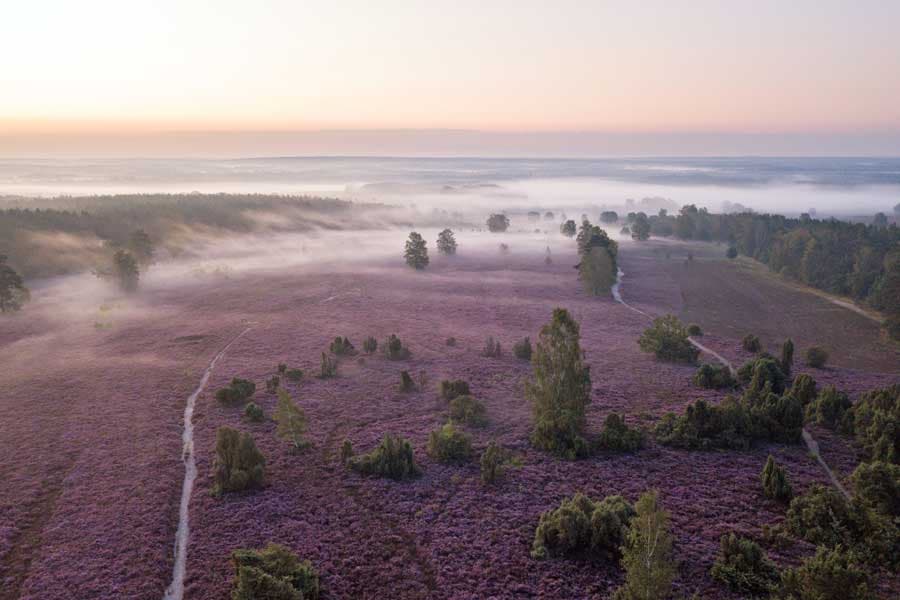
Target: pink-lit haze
<point x="194" y="77"/>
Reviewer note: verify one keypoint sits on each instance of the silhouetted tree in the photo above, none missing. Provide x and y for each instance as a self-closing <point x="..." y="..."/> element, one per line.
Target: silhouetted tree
<point x="13" y="293"/>
<point x="125" y="271"/>
<point x="446" y="243"/>
<point x="568" y="228"/>
<point x="640" y="227"/>
<point x="498" y="223"/>
<point x="416" y="251"/>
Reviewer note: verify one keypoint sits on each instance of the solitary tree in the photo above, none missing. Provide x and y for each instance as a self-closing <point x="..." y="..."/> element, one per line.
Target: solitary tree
<point x="13" y="293"/>
<point x="141" y="247"/>
<point x="498" y="223"/>
<point x="640" y="228"/>
<point x="597" y="271"/>
<point x="560" y="387"/>
<point x="416" y="251"/>
<point x="125" y="270"/>
<point x="446" y="243"/>
<point x="568" y="228"/>
<point x="647" y="553"/>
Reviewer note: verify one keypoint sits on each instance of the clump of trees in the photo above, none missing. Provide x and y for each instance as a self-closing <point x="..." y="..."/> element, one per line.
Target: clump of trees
<point x="446" y="243"/>
<point x="395" y="350"/>
<point x="751" y="343"/>
<point x="450" y="389"/>
<point x="804" y="388"/>
<point x="13" y="293"/>
<point x="393" y="459"/>
<point x="816" y="357"/>
<point x="832" y="574"/>
<point x="236" y="392"/>
<point x="416" y="253"/>
<point x="667" y="339"/>
<point x="640" y="227"/>
<point x="582" y="526"/>
<point x="238" y="465"/>
<point x="448" y="444"/>
<point x="743" y="566"/>
<point x="617" y="436"/>
<point x="714" y="377"/>
<point x="609" y="216"/>
<point x="341" y="346"/>
<point x="274" y="573"/>
<point x="327" y="367"/>
<point x="497" y="223"/>
<point x="468" y="410"/>
<point x="875" y="423"/>
<point x="877" y="485"/>
<point x="560" y="388"/>
<point x="522" y="349"/>
<point x="370" y="345"/>
<point x="291" y="421"/>
<point x="830" y="407"/>
<point x="775" y="482"/>
<point x="568" y="228"/>
<point x="763" y="370"/>
<point x="491" y="348"/>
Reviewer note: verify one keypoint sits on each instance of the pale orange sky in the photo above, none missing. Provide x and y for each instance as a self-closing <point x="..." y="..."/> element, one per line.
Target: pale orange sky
<point x="104" y="69"/>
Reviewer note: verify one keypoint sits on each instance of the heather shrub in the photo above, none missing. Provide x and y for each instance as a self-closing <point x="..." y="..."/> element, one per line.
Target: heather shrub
<point x="804" y="389"/>
<point x="668" y="340"/>
<point x="875" y="422"/>
<point x="469" y="411"/>
<point x="494" y="461"/>
<point x="273" y="573"/>
<point x="760" y="371"/>
<point x="751" y="343"/>
<point x="581" y="526"/>
<point x="694" y="329"/>
<point x="253" y="412"/>
<point x="449" y="445"/>
<point x="272" y="384"/>
<point x="393" y="458"/>
<point x="713" y="376"/>
<point x="416" y="253"/>
<point x="451" y="389"/>
<point x="342" y="347"/>
<point x="560" y="388"/>
<point x="787" y="357"/>
<point x="451" y="341"/>
<point x="370" y="345"/>
<point x="238" y="464"/>
<point x="328" y="367"/>
<point x="829" y="408"/>
<point x="829" y="575"/>
<point x="775" y="483"/>
<point x="394" y="349"/>
<point x="647" y="553"/>
<point x="237" y="391"/>
<point x="877" y="485"/>
<point x="291" y="420"/>
<point x="616" y="436"/>
<point x="816" y="357"/>
<point x="522" y="350"/>
<point x="346" y="451"/>
<point x="491" y="348"/>
<point x="293" y="374"/>
<point x="743" y="566"/>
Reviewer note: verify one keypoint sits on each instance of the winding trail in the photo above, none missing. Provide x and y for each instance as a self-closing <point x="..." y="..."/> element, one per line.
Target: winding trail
<point x="811" y="443"/>
<point x="175" y="591"/>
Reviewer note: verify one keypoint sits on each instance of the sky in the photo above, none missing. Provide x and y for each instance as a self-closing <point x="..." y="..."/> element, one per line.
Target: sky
<point x="159" y="77"/>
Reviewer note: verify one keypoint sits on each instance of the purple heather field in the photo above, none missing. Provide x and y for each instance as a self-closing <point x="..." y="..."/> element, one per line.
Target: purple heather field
<point x="92" y="423"/>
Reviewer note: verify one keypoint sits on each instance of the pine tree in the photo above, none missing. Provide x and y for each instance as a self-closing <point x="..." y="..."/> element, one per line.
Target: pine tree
<point x="775" y="482"/>
<point x="416" y="251"/>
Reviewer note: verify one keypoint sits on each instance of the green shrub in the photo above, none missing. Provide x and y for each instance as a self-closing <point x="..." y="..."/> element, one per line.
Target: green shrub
<point x="273" y="573"/>
<point x="875" y="421"/>
<point x="272" y="384"/>
<point x="291" y="420"/>
<point x="713" y="376"/>
<point x="406" y="382"/>
<point x="816" y="357"/>
<point x="568" y="228"/>
<point x="829" y="408"/>
<point x="393" y="458"/>
<point x="877" y="485"/>
<point x="694" y="329"/>
<point x="647" y="553"/>
<point x="522" y="350"/>
<point x="494" y="461"/>
<point x="466" y="409"/>
<point x="346" y="451"/>
<point x="560" y="388"/>
<point x="253" y="412"/>
<point x="804" y="389"/>
<point x="667" y="339"/>
<point x="452" y="389"/>
<point x="293" y="374"/>
<point x="829" y="575"/>
<point x="616" y="436"/>
<point x="238" y="464"/>
<point x="328" y="367"/>
<point x="751" y="343"/>
<point x="775" y="482"/>
<point x="491" y="348"/>
<point x="237" y="391"/>
<point x="761" y="371"/>
<point x="394" y="349"/>
<point x="449" y="445"/>
<point x="743" y="566"/>
<point x="370" y="345"/>
<point x="581" y="526"/>
<point x="706" y="426"/>
<point x="342" y="347"/>
<point x="787" y="357"/>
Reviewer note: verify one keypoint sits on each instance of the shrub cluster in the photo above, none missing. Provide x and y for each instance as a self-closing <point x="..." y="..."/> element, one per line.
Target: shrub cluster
<point x="875" y="422"/>
<point x="272" y="384"/>
<point x="341" y="346"/>
<point x="237" y="391"/>
<point x="291" y="420"/>
<point x="830" y="408"/>
<point x="668" y="340"/>
<point x="751" y="343"/>
<point x="494" y="461"/>
<point x="395" y="350"/>
<point x="328" y="367"/>
<point x="581" y="526"/>
<point x="393" y="458"/>
<point x="765" y="370"/>
<point x="743" y="566"/>
<point x="713" y="376"/>
<point x="832" y="574"/>
<point x="491" y="348"/>
<point x="370" y="345"/>
<point x="238" y="465"/>
<point x="406" y="382"/>
<point x="274" y="573"/>
<point x="617" y="436"/>
<point x="816" y="357"/>
<point x="804" y="389"/>
<point x="449" y="445"/>
<point x="293" y="374"/>
<point x="450" y="389"/>
<point x="469" y="411"/>
<point x="254" y="412"/>
<point x="775" y="483"/>
<point x="877" y="485"/>
<point x="522" y="350"/>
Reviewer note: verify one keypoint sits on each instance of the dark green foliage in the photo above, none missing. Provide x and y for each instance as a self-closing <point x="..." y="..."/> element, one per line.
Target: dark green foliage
<point x="451" y="389"/>
<point x="581" y="526"/>
<point x="829" y="408"/>
<point x="394" y="349"/>
<point x="877" y="485"/>
<point x="236" y="392"/>
<point x="327" y="367"/>
<point x="743" y="566"/>
<point x="125" y="271"/>
<point x="560" y="388"/>
<point x="787" y="357"/>
<point x="238" y="465"/>
<point x="751" y="343"/>
<point x="393" y="458"/>
<point x="775" y="483"/>
<point x="451" y="341"/>
<point x="568" y="228"/>
<point x="494" y="461"/>
<point x="406" y="382"/>
<point x="832" y="574"/>
<point x="272" y="384"/>
<point x="597" y="271"/>
<point x="273" y="573"/>
<point x="617" y="436"/>
<point x="346" y="452"/>
<point x="705" y="426"/>
<point x="449" y="445"/>
<point x="293" y="374"/>
<point x="816" y="357"/>
<point x="714" y="377"/>
<point x="694" y="330"/>
<point x="522" y="350"/>
<point x="609" y="216"/>
<point x="342" y="347"/>
<point x="254" y="412"/>
<point x="497" y="223"/>
<point x="446" y="243"/>
<point x="875" y="421"/>
<point x="668" y="340"/>
<point x="370" y="345"/>
<point x="804" y="389"/>
<point x="640" y="227"/>
<point x="731" y="252"/>
<point x="416" y="253"/>
<point x="761" y="371"/>
<point x="491" y="348"/>
<point x="469" y="411"/>
<point x="647" y="553"/>
<point x="13" y="293"/>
